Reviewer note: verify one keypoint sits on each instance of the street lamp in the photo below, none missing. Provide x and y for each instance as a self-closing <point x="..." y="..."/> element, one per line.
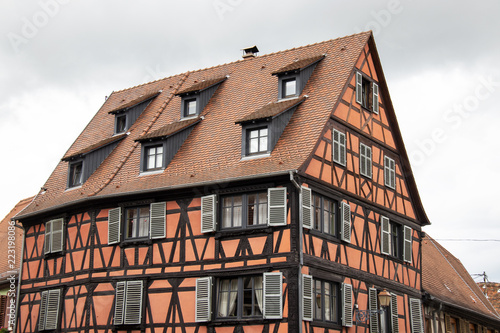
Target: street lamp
<point x="384" y="299"/>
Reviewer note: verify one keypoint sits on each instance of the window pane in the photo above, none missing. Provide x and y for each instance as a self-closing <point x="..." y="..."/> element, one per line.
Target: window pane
<point x="317" y="300"/>
<point x="262" y="208"/>
<point x="143" y="222"/>
<point x="190" y="107"/>
<point x="263" y="132"/>
<point x="290" y="88"/>
<point x="317" y="212"/>
<point x="254" y="145"/>
<point x="131" y="226"/>
<point x="228" y="294"/>
<point x="252" y="210"/>
<point x="263" y="144"/>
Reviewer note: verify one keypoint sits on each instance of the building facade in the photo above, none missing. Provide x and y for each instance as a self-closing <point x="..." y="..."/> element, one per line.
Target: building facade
<point x="271" y="194"/>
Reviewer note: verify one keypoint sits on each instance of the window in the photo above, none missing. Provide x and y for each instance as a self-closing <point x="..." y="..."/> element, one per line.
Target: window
<point x="120" y="123"/>
<point x="289" y="88"/>
<point x="128" y="302"/>
<point x="338" y="150"/>
<point x="365" y="160"/>
<point x="54" y="236"/>
<point x="48" y="317"/>
<point x="367" y="94"/>
<point x="324" y="215"/>
<point x="396" y="239"/>
<point x="190" y="107"/>
<point x="240" y="297"/>
<point x="257" y="140"/>
<point x="389" y="172"/>
<point x="326" y="301"/>
<point x="245" y="210"/>
<point x="140" y="222"/>
<point x="75" y="174"/>
<point x="154" y="158"/>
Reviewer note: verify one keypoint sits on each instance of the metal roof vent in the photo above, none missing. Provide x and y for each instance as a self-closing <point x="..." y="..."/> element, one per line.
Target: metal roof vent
<point x="250" y="52"/>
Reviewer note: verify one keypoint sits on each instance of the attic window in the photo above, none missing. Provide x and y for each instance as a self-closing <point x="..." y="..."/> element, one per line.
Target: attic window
<point x="257" y="140"/>
<point x="120" y="123"/>
<point x="75" y="174"/>
<point x="190" y="107"/>
<point x="367" y="93"/>
<point x="196" y="97"/>
<point x="289" y="87"/>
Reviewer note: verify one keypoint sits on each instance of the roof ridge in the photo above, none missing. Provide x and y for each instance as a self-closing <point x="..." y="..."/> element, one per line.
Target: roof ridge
<point x="149" y="82"/>
<point x="459" y="275"/>
<point x="136" y="143"/>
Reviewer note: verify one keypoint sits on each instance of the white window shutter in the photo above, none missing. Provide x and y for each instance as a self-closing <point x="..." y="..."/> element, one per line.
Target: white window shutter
<point x="407" y="244"/>
<point x="389" y="172"/>
<point x="375" y="98"/>
<point x="306" y="204"/>
<point x="48" y="238"/>
<point x="369" y="162"/>
<point x="57" y="241"/>
<point x="359" y="88"/>
<point x="157" y="221"/>
<point x="347" y="303"/>
<point x="133" y="302"/>
<point x="394" y="313"/>
<point x="43" y="310"/>
<point x="54" y="297"/>
<point x="119" y="303"/>
<point x="307" y="297"/>
<point x="385" y="235"/>
<point x="338" y="147"/>
<point x="203" y="309"/>
<point x="208" y="216"/>
<point x="417" y="325"/>
<point x="273" y="291"/>
<point x="114" y="225"/>
<point x="373" y="306"/>
<point x="276" y="206"/>
<point x="345" y="212"/>
<point x="362" y="159"/>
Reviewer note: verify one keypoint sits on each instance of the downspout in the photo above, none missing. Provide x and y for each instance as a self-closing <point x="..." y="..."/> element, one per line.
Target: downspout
<point x="301" y="256"/>
<point x="19" y="276"/>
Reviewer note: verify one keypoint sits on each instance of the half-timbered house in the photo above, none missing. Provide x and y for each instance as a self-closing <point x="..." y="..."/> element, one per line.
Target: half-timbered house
<point x="271" y="194"/>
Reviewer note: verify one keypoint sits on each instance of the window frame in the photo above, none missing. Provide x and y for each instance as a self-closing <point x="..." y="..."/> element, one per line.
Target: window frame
<point x="365" y="160"/>
<point x="245" y="206"/>
<point x="319" y="226"/>
<point x="125" y="311"/>
<point x="389" y="172"/>
<point x="248" y="139"/>
<point x="367" y="92"/>
<point x="147" y="149"/>
<point x="339" y="147"/>
<point x="334" y="298"/>
<point x="284" y="87"/>
<point x="283" y="79"/>
<point x="144" y="155"/>
<point x="50" y="240"/>
<point x="395" y="239"/>
<point x="185" y="101"/>
<point x="71" y="174"/>
<point x="239" y="306"/>
<point x="50" y="309"/>
<point x="138" y="227"/>
<point x="118" y="117"/>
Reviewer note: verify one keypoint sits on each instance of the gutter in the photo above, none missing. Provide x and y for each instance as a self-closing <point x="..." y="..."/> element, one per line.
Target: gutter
<point x="155" y="190"/>
<point x="301" y="254"/>
<point x="19" y="276"/>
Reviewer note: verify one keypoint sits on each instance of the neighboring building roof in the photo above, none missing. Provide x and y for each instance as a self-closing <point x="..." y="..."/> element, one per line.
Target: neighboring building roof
<point x="446" y="279"/>
<point x="271" y="110"/>
<point x="212" y="152"/>
<point x="5" y="267"/>
<point x="492" y="292"/>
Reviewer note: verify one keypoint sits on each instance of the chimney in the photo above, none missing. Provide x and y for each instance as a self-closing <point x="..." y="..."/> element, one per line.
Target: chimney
<point x="250" y="52"/>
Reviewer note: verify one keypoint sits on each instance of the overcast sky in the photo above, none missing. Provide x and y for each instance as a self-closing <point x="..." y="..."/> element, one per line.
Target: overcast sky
<point x="60" y="58"/>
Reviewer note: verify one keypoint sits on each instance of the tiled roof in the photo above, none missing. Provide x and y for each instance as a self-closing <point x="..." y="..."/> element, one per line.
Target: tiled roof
<point x="127" y="104"/>
<point x="492" y="292"/>
<point x="446" y="279"/>
<point x="299" y="64"/>
<point x="170" y="129"/>
<point x="95" y="146"/>
<point x="212" y="151"/>
<point x="271" y="109"/>
<point x="202" y="85"/>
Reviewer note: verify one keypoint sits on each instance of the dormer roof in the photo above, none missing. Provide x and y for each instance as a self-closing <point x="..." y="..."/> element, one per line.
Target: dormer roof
<point x="170" y="129"/>
<point x="131" y="103"/>
<point x="200" y="86"/>
<point x="271" y="110"/>
<point x="299" y="64"/>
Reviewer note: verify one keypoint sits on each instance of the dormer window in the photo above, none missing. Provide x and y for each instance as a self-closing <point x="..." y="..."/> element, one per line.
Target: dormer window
<point x="289" y="87"/>
<point x="190" y="107"/>
<point x="257" y="140"/>
<point x="75" y="174"/>
<point x="367" y="93"/>
<point x="120" y="123"/>
<point x="154" y="157"/>
<point x="293" y="77"/>
<point x="196" y="97"/>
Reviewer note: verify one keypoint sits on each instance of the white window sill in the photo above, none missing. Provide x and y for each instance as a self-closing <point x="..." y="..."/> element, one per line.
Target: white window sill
<point x="256" y="156"/>
<point x="147" y="173"/>
<point x="73" y="188"/>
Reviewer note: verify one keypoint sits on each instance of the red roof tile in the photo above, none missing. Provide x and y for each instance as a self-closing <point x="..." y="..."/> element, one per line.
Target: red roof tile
<point x="271" y="110"/>
<point x="492" y="292"/>
<point x="445" y="278"/>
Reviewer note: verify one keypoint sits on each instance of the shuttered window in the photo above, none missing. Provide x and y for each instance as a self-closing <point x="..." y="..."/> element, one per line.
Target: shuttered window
<point x="307" y="297"/>
<point x="389" y="172"/>
<point x="359" y="88"/>
<point x="306" y="204"/>
<point x="49" y="310"/>
<point x="114" y="225"/>
<point x="277" y="206"/>
<point x="128" y="302"/>
<point x="273" y="291"/>
<point x="417" y="325"/>
<point x="373" y="306"/>
<point x="385" y="235"/>
<point x="54" y="236"/>
<point x="157" y="221"/>
<point x="208" y="213"/>
<point x="339" y="150"/>
<point x="407" y="244"/>
<point x="203" y="309"/>
<point x="365" y="160"/>
<point x="394" y="313"/>
<point x="367" y="93"/>
<point x="346" y="222"/>
<point x="347" y="304"/>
